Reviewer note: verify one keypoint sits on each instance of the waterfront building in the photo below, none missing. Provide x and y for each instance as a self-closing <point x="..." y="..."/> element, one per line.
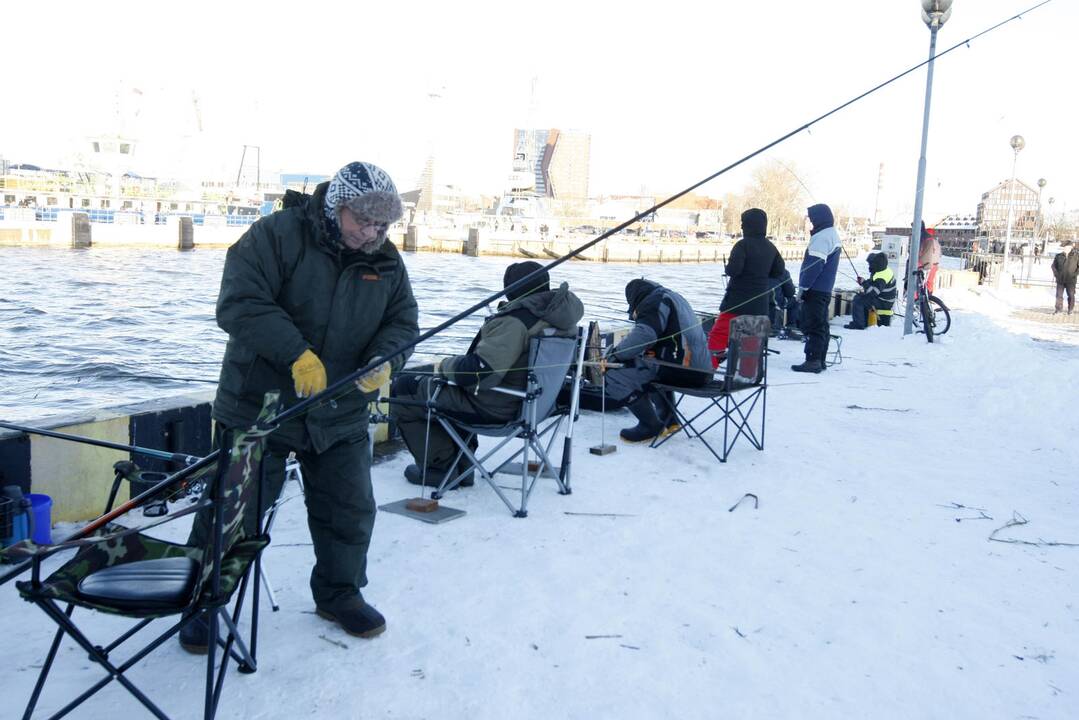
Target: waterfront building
<point x="956" y="233"/>
<point x="560" y="161"/>
<point x="992" y="215"/>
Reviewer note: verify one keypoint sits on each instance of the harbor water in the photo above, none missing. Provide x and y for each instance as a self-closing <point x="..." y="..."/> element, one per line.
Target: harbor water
<point x="96" y="328"/>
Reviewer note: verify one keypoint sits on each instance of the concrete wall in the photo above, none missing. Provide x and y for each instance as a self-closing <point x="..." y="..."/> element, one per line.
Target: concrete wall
<point x="78" y="476"/>
<point x="21" y="233"/>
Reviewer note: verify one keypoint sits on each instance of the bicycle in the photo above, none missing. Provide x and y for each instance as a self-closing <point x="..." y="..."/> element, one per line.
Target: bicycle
<point x="931" y="315"/>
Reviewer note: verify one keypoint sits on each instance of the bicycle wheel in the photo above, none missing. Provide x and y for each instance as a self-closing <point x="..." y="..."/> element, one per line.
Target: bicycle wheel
<point x="927" y="317"/>
<point x="942" y="318"/>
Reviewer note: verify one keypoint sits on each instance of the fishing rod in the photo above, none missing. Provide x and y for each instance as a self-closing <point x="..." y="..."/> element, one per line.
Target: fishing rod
<point x="308" y="403"/>
<point x="91" y="527"/>
<point x="148" y="452"/>
<point x="343" y="383"/>
<point x="856" y="275"/>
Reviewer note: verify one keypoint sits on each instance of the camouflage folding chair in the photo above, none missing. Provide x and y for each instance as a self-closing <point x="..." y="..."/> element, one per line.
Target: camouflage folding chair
<point x="123" y="571"/>
<point x="735" y="394"/>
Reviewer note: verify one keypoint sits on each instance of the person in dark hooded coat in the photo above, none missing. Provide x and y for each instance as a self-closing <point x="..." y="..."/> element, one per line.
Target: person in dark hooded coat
<point x="815" y="283"/>
<point x="666" y="344"/>
<point x="498" y="356"/>
<point x="753" y="262"/>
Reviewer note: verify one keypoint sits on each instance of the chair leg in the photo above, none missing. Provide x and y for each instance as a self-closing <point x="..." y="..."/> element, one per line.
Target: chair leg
<point x="522" y="512"/>
<point x="477" y="464"/>
<point x="97" y="655"/>
<point x="40" y="684"/>
<point x="684" y="424"/>
<point x="269" y="588"/>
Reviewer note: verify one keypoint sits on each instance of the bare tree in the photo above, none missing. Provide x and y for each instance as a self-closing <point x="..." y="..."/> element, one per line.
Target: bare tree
<point x="777" y="190"/>
<point x="733" y="205"/>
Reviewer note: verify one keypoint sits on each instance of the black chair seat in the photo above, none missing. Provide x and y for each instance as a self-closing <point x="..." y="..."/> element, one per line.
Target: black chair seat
<point x="161" y="584"/>
<point x="746" y="372"/>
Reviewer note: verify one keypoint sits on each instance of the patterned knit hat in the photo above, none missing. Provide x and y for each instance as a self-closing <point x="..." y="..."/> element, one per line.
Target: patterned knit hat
<point x="381" y="203"/>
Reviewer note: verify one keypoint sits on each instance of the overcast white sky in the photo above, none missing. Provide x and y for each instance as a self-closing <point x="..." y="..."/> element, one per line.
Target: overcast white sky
<point x="670" y="91"/>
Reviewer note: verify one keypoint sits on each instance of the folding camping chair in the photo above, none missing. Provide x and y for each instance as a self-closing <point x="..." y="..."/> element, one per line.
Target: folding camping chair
<point x="745" y="375"/>
<point x="125" y="572"/>
<point x="550" y="358"/>
<point x="835" y="355"/>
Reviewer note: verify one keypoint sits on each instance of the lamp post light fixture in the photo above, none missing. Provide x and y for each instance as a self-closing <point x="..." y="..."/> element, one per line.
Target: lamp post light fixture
<point x="1018" y="143"/>
<point x="934" y="14"/>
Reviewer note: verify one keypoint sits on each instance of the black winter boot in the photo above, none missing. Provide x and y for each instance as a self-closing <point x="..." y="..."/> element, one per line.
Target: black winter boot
<point x="664" y="402"/>
<point x="648" y="423"/>
<point x="811" y="365"/>
<point x="415" y="475"/>
<point x="353" y="614"/>
<point x="195" y="636"/>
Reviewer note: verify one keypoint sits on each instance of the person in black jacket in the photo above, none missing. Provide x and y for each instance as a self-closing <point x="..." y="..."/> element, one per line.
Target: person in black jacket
<point x="666" y="345"/>
<point x="753" y="261"/>
<point x="1065" y="270"/>
<point x="783" y="307"/>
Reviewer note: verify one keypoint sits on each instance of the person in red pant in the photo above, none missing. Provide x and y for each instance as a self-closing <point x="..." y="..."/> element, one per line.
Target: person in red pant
<point x="754" y="259"/>
<point x="929" y="257"/>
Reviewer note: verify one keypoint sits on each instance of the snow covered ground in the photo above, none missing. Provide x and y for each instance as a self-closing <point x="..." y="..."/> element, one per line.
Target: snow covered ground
<point x="865" y="585"/>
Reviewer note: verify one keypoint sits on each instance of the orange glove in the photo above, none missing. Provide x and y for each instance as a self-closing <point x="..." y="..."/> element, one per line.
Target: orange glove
<point x="308" y="374"/>
<point x="374" y="379"/>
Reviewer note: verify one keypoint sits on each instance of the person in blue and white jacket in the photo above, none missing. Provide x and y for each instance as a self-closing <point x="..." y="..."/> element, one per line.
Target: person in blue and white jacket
<point x="815" y="283"/>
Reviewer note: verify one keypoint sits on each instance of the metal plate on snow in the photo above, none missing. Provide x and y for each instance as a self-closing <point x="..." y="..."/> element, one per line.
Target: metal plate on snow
<point x="435" y="517"/>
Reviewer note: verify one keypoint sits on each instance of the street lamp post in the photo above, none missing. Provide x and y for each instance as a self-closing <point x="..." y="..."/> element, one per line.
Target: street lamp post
<point x="1050" y="218"/>
<point x="934" y="14"/>
<point x="1018" y="143"/>
<point x="1039" y="222"/>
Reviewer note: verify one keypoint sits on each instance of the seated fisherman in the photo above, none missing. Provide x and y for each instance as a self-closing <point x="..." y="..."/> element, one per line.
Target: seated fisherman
<point x="498" y="356"/>
<point x="783" y="306"/>
<point x="667" y="345"/>
<point x="878" y="292"/>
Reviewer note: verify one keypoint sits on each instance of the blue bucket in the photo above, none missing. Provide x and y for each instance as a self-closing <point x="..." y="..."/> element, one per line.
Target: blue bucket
<point x="41" y="507"/>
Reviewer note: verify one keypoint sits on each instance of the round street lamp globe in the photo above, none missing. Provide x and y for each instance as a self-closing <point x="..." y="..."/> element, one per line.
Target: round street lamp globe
<point x="1017" y="142"/>
<point x="1042" y="182"/>
<point x="936" y="12"/>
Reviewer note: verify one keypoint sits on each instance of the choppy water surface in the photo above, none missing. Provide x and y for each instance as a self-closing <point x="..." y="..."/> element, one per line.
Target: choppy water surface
<point x="97" y="328"/>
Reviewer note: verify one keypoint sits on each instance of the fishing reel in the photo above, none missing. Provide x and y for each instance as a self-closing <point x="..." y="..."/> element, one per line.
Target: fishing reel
<point x="145" y="480"/>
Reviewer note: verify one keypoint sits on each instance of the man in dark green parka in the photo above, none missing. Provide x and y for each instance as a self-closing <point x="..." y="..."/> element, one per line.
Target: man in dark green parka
<point x="308" y="295"/>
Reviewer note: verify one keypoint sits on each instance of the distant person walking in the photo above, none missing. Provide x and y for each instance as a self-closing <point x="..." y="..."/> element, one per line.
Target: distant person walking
<point x="1065" y="271"/>
<point x="754" y="259"/>
<point x="815" y="283"/>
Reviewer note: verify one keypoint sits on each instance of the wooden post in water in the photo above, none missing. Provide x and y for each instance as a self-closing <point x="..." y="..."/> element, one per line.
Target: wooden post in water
<point x="80" y="230"/>
<point x="186" y="235"/>
<point x="411" y="239"/>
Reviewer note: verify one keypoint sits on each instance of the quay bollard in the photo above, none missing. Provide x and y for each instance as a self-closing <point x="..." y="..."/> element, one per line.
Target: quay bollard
<point x="471" y="246"/>
<point x="186" y="234"/>
<point x="80" y="230"/>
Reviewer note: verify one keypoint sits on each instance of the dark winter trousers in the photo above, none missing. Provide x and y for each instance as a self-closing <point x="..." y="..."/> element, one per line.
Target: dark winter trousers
<point x="1068" y="285"/>
<point x="815" y="323"/>
<point x="859" y="312"/>
<point x="340" y="511"/>
<point x="429" y="443"/>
